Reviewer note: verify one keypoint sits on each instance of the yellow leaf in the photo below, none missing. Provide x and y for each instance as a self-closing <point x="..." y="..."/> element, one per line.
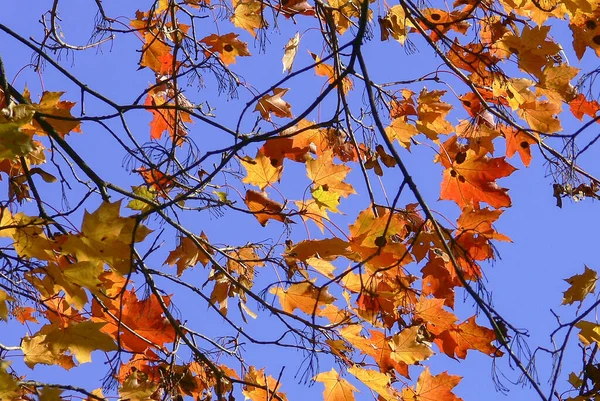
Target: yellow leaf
<point x="260" y="171"/>
<point x="406" y="348"/>
<point x="144" y="192"/>
<point x="402" y="131"/>
<point x="326" y="199"/>
<point x="80" y="339"/>
<point x="336" y="388"/>
<point x="4" y="297"/>
<point x="50" y="394"/>
<point x="247" y="14"/>
<point x="581" y="286"/>
<point x="36" y="351"/>
<point x="9" y="387"/>
<point x="323" y="172"/>
<point x="376" y="381"/>
<point x="589" y="332"/>
<point x="106" y="236"/>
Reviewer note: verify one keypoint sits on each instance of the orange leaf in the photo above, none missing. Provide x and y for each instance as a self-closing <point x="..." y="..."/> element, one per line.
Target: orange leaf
<point x="581" y="106"/>
<point x="156" y="55"/>
<point x="51" y="106"/>
<point x="518" y="141"/>
<point x="304" y="296"/>
<point x="187" y="254"/>
<point x="465" y="336"/>
<point x="470" y="177"/>
<point x="152" y="329"/>
<point x="432" y="388"/>
<point x="263" y="208"/>
<point x="166" y="119"/>
<point x="327" y="70"/>
<point x="378" y="346"/>
<point x="228" y="46"/>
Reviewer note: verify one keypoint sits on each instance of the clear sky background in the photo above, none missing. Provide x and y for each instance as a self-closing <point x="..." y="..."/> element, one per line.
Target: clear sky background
<point x="549" y="244"/>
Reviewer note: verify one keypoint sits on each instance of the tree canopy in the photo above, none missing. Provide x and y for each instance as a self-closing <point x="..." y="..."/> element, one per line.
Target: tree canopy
<point x="226" y="182"/>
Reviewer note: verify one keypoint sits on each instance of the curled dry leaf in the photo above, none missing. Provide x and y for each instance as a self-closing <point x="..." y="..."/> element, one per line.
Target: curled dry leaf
<point x="291" y="49"/>
<point x="274" y="104"/>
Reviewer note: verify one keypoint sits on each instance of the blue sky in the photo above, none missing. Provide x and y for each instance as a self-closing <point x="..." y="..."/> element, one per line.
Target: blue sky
<point x="549" y="244"/>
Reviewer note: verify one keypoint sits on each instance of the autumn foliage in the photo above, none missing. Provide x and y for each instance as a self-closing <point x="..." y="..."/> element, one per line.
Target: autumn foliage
<point x="332" y="249"/>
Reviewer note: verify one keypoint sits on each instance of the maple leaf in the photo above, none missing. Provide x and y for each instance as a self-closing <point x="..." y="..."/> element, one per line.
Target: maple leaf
<point x="326" y="249"/>
<point x="323" y="172"/>
<point x="24" y="314"/>
<point x="406" y="347"/>
<point x="156" y="55"/>
<point x="144" y="192"/>
<point x="541" y="116"/>
<point x="402" y="131"/>
<point x="465" y="336"/>
<point x="304" y="296"/>
<point x="377" y="346"/>
<point x="343" y="13"/>
<point x="157" y="180"/>
<point x="475" y="232"/>
<point x="470" y="177"/>
<point x="254" y="376"/>
<point x="143" y="316"/>
<point x="431" y="312"/>
<point x="555" y="83"/>
<point x="297" y="143"/>
<point x="166" y="119"/>
<point x="14" y="140"/>
<point x="580" y="286"/>
<point x="589" y="332"/>
<point x="532" y="48"/>
<point x="261" y="171"/>
<point x="432" y="114"/>
<point x="336" y="388"/>
<point x="80" y="339"/>
<point x="327" y="70"/>
<point x="228" y="46"/>
<point x="57" y="113"/>
<point x="395" y="24"/>
<point x="274" y="104"/>
<point x="432" y="388"/>
<point x="438" y="279"/>
<point x="290" y="8"/>
<point x="4" y="297"/>
<point x="326" y="199"/>
<point x="518" y="141"/>
<point x="137" y="387"/>
<point x="107" y="236"/>
<point x="376" y="381"/>
<point x="187" y="254"/>
<point x="247" y="14"/>
<point x="310" y="210"/>
<point x="263" y="208"/>
<point x="444" y="21"/>
<point x="580" y="106"/>
<point x="37" y="351"/>
<point x="9" y="384"/>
